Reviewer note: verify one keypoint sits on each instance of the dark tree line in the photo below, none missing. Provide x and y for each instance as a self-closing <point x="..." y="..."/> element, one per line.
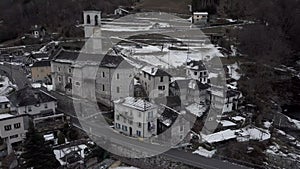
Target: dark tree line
<point x="56" y="15"/>
<point x="37" y="154"/>
<point x="272" y="41"/>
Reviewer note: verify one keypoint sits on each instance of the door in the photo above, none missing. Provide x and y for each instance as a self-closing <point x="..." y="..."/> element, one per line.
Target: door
<point x="130" y="131"/>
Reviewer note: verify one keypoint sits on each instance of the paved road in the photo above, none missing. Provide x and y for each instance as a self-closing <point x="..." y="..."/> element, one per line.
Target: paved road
<point x="199" y="161"/>
<point x="115" y="138"/>
<point x="16" y="74"/>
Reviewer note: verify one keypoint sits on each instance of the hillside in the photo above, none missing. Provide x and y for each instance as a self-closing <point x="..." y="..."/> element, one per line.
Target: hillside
<point x="56" y="15"/>
<point x="172" y="6"/>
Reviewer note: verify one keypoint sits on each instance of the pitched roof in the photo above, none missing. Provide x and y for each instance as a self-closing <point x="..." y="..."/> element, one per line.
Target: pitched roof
<point x="196" y="65"/>
<point x="154" y="71"/>
<point x="30" y="96"/>
<point x="136" y="103"/>
<point x="85" y="59"/>
<point x="42" y="63"/>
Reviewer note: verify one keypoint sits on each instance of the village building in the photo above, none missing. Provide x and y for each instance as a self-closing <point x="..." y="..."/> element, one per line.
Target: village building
<point x="76" y="74"/>
<point x="13" y="130"/>
<point x="34" y="102"/>
<point x="190" y="91"/>
<point x="4" y="105"/>
<point x="200" y="18"/>
<point x="135" y="117"/>
<point x="197" y="71"/>
<point x="155" y="82"/>
<point x="41" y="71"/>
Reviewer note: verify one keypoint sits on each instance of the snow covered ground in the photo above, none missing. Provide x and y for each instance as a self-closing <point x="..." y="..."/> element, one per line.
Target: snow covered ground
<point x="203" y="152"/>
<point x="7" y="86"/>
<point x="61" y="153"/>
<point x="244" y="134"/>
<point x="196" y="109"/>
<point x="126" y="168"/>
<point x="166" y="58"/>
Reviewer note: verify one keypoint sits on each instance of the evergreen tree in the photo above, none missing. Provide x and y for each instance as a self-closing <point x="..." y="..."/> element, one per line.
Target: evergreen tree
<point x="37" y="154"/>
<point x="61" y="138"/>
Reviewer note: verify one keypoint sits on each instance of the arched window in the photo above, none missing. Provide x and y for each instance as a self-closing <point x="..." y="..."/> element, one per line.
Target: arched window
<point x="96" y="19"/>
<point x="88" y="19"/>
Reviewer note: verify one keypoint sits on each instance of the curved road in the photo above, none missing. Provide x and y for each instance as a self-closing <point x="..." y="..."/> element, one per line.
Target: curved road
<point x="16" y="74"/>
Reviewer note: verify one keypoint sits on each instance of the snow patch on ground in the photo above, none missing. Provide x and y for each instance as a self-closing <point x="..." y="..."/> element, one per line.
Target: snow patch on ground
<point x="7" y="86"/>
<point x="196" y="109"/>
<point x="233" y="71"/>
<point x="205" y="153"/>
<point x="59" y="154"/>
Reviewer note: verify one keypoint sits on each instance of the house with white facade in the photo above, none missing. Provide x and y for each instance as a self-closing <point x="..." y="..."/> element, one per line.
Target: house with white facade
<point x="135" y="117"/>
<point x="200" y="17"/>
<point x="155" y="82"/>
<point x="34" y="102"/>
<point x="13" y="130"/>
<point x="197" y="71"/>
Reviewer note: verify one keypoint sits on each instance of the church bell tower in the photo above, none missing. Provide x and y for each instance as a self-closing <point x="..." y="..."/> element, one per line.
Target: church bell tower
<point x="92" y="31"/>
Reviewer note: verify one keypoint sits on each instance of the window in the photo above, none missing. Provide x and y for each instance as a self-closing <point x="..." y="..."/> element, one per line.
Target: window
<point x="145" y="75"/>
<point x="149" y="77"/>
<point x="77" y="83"/>
<point x="17" y="125"/>
<point x="138" y="133"/>
<point x="118" y="76"/>
<point x="70" y="70"/>
<point x="118" y="89"/>
<point x="124" y="128"/>
<point x="58" y="68"/>
<point x="118" y="126"/>
<point x="150" y="115"/>
<point x="70" y="80"/>
<point x="139" y="124"/>
<point x="195" y="73"/>
<point x="205" y="73"/>
<point x="46" y="106"/>
<point x="161" y="79"/>
<point x="88" y="19"/>
<point x="201" y="74"/>
<point x="161" y="87"/>
<point x="29" y="108"/>
<point x="14" y="136"/>
<point x="118" y="117"/>
<point x="7" y="127"/>
<point x="103" y="74"/>
<point x="59" y="79"/>
<point x="103" y="87"/>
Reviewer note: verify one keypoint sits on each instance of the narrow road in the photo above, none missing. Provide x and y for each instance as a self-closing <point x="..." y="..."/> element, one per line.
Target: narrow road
<point x="177" y="155"/>
<point x="16" y="74"/>
<point x="199" y="161"/>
